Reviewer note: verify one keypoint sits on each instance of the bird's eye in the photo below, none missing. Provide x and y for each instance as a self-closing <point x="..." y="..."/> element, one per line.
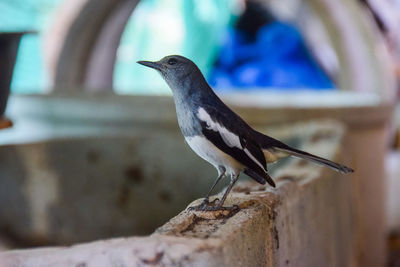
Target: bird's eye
<point x="172" y="61"/>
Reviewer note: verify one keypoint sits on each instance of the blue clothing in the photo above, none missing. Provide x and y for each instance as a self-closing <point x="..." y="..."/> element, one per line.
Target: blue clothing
<point x="277" y="58"/>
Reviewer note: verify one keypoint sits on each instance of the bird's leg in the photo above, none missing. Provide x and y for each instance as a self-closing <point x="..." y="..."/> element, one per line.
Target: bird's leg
<point x="234" y="178"/>
<point x="221" y="173"/>
<point x="206" y="204"/>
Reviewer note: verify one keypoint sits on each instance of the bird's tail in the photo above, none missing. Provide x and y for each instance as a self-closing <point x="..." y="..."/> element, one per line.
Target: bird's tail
<point x="302" y="154"/>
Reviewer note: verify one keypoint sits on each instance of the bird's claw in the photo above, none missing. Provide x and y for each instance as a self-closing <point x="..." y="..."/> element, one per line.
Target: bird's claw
<point x="206" y="205"/>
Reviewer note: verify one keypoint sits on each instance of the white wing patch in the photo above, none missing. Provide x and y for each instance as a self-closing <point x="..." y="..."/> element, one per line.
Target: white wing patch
<point x="231" y="139"/>
<point x="253" y="158"/>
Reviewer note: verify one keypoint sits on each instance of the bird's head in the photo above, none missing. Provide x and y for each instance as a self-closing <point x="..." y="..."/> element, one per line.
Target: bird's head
<point x="176" y="70"/>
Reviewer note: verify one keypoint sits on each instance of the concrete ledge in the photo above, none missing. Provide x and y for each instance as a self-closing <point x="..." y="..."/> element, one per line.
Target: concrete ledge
<point x="307" y="221"/>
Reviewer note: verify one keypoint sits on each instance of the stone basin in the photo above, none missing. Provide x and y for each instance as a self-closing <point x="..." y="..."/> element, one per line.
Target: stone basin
<point x="78" y="168"/>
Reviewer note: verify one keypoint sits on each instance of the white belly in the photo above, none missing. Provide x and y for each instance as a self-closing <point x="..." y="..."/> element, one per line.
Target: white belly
<point x="213" y="155"/>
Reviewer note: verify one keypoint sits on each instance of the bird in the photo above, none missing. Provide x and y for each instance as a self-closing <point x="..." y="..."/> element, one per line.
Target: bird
<point x="219" y="135"/>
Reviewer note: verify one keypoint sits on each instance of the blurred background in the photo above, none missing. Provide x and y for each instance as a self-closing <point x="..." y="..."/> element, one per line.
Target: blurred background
<point x="83" y="125"/>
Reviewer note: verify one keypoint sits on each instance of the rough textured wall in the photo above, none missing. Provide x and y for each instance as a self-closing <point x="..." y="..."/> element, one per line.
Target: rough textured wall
<point x="307" y="221"/>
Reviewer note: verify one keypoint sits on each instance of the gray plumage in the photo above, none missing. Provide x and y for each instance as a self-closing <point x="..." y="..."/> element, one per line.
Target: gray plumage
<point x="219" y="135"/>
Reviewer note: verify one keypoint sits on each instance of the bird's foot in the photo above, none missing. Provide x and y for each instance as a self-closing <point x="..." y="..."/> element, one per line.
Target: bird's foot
<point x="206" y="205"/>
<point x="234" y="208"/>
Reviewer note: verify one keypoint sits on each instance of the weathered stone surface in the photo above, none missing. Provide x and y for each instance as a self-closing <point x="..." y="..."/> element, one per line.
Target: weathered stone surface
<point x="56" y="125"/>
<point x="393" y="189"/>
<point x="306" y="221"/>
<point x="70" y="191"/>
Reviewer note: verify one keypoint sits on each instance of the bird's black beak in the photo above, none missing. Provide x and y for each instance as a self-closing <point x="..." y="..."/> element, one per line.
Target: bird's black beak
<point x="150" y="64"/>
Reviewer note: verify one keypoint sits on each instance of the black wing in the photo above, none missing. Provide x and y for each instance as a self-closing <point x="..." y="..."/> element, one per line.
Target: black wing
<point x="245" y="151"/>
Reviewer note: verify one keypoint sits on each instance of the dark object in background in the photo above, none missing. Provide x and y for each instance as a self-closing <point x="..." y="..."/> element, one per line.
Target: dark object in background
<point x="394" y="250"/>
<point x="254" y="17"/>
<point x="9" y="42"/>
<point x="263" y="52"/>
